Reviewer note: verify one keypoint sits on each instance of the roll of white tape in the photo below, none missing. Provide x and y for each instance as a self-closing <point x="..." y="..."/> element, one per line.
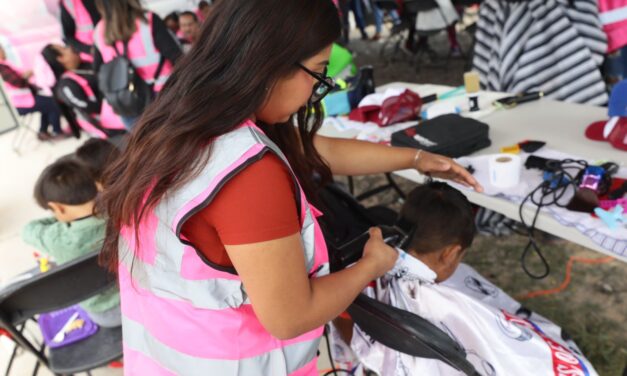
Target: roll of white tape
<point x="505" y="170"/>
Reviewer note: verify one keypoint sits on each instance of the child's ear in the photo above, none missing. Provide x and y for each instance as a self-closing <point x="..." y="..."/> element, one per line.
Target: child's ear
<point x="451" y="254"/>
<point x="56" y="207"/>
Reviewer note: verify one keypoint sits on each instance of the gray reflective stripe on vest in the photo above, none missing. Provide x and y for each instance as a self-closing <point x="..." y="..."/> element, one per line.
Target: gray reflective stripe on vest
<point x="166" y="283"/>
<point x="69" y="6"/>
<point x="81" y="116"/>
<point x="16" y="90"/>
<point x="98" y="33"/>
<point x="279" y="362"/>
<point x="86" y="28"/>
<point x="163" y="279"/>
<point x="308" y="228"/>
<point x="223" y="154"/>
<point x="152" y="56"/>
<point x="161" y="80"/>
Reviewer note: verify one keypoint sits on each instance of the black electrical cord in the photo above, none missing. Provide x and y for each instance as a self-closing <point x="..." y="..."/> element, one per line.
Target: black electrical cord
<point x="550" y="192"/>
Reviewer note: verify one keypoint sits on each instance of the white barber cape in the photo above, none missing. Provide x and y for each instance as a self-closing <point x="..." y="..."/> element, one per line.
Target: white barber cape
<point x="477" y="315"/>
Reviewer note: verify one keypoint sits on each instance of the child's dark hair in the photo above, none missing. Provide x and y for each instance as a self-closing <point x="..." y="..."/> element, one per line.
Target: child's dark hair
<point x="50" y="55"/>
<point x="96" y="155"/>
<point x="441" y="215"/>
<point x="66" y="182"/>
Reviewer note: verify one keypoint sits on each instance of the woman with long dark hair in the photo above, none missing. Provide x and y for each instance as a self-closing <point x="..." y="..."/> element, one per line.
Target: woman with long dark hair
<point x="222" y="266"/>
<point x="126" y="28"/>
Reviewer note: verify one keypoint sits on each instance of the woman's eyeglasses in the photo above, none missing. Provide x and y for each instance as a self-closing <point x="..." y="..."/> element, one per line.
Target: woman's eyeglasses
<point x="324" y="85"/>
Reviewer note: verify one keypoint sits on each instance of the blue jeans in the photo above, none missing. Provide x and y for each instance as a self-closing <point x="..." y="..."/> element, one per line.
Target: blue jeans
<point x="378" y="17"/>
<point x="357" y="8"/>
<point x="50" y="113"/>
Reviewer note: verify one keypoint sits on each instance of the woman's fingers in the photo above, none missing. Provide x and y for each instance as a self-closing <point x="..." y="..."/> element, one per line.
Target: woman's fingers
<point x="446" y="168"/>
<point x="463" y="174"/>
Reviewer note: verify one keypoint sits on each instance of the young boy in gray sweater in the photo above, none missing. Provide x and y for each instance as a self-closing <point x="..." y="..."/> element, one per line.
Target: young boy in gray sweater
<point x="67" y="188"/>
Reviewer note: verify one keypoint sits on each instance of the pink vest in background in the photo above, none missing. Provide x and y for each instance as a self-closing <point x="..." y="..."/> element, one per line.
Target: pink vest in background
<point x="141" y="51"/>
<point x="84" y="25"/>
<point x="95" y="122"/>
<point x="21" y="97"/>
<point x="613" y="15"/>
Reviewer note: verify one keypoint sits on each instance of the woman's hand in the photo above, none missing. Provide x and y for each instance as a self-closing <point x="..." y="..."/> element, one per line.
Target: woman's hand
<point x="380" y="256"/>
<point x="445" y="168"/>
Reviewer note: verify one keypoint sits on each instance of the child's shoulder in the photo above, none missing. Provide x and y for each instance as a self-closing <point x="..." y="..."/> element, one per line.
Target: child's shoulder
<point x="87" y="224"/>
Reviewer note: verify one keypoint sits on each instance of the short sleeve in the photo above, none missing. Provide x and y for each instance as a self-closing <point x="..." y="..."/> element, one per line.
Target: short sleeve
<point x="258" y="204"/>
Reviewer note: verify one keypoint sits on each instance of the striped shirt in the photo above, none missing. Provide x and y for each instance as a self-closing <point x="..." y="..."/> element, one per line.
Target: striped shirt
<point x="554" y="46"/>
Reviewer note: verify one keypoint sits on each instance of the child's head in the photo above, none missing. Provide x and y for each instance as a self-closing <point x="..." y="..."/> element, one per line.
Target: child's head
<point x="444" y="226"/>
<point x="67" y="188"/>
<point x="96" y="155"/>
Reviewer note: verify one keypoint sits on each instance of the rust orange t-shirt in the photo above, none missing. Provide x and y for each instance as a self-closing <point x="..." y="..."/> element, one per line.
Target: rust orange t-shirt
<point x="256" y="205"/>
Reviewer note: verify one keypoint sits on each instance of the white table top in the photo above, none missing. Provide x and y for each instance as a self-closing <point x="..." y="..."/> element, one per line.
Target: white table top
<point x="561" y="125"/>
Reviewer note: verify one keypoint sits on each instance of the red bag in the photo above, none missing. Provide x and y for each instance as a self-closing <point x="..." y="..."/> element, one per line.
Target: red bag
<point x="396" y="109"/>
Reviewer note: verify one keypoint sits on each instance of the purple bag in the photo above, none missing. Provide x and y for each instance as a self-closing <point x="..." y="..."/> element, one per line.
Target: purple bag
<point x="66" y="326"/>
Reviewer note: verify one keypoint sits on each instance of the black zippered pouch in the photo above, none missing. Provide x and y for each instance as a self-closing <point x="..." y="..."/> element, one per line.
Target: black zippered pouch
<point x="451" y="135"/>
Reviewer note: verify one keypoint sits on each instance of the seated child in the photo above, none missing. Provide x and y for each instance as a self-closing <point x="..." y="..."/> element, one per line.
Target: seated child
<point x="499" y="336"/>
<point x="67" y="189"/>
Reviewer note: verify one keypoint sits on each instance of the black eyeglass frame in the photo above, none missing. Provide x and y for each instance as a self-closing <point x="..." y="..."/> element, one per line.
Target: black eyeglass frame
<point x="323" y="80"/>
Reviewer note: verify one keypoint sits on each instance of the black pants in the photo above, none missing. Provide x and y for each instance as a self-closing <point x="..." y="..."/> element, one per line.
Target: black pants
<point x="50" y="113"/>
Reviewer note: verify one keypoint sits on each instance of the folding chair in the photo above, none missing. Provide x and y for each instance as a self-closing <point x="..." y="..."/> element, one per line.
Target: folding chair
<point x="418" y="6"/>
<point x="470" y="29"/>
<point x="58" y="288"/>
<point x="10" y="118"/>
<point x="21" y="124"/>
<point x="391" y="46"/>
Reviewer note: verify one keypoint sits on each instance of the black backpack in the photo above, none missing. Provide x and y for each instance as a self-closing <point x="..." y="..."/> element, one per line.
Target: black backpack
<point x="123" y="88"/>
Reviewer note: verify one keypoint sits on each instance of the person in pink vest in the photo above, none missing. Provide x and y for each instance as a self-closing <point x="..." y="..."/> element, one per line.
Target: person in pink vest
<point x="78" y="18"/>
<point x="150" y="46"/>
<point x="613" y="15"/>
<point x="26" y="100"/>
<point x="76" y="87"/>
<point x="222" y="265"/>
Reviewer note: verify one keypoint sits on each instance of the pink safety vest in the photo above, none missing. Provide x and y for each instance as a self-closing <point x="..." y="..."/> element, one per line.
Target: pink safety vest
<point x="21" y="97"/>
<point x="84" y="25"/>
<point x="141" y="51"/>
<point x="613" y="15"/>
<point x="88" y="124"/>
<point x="183" y="317"/>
